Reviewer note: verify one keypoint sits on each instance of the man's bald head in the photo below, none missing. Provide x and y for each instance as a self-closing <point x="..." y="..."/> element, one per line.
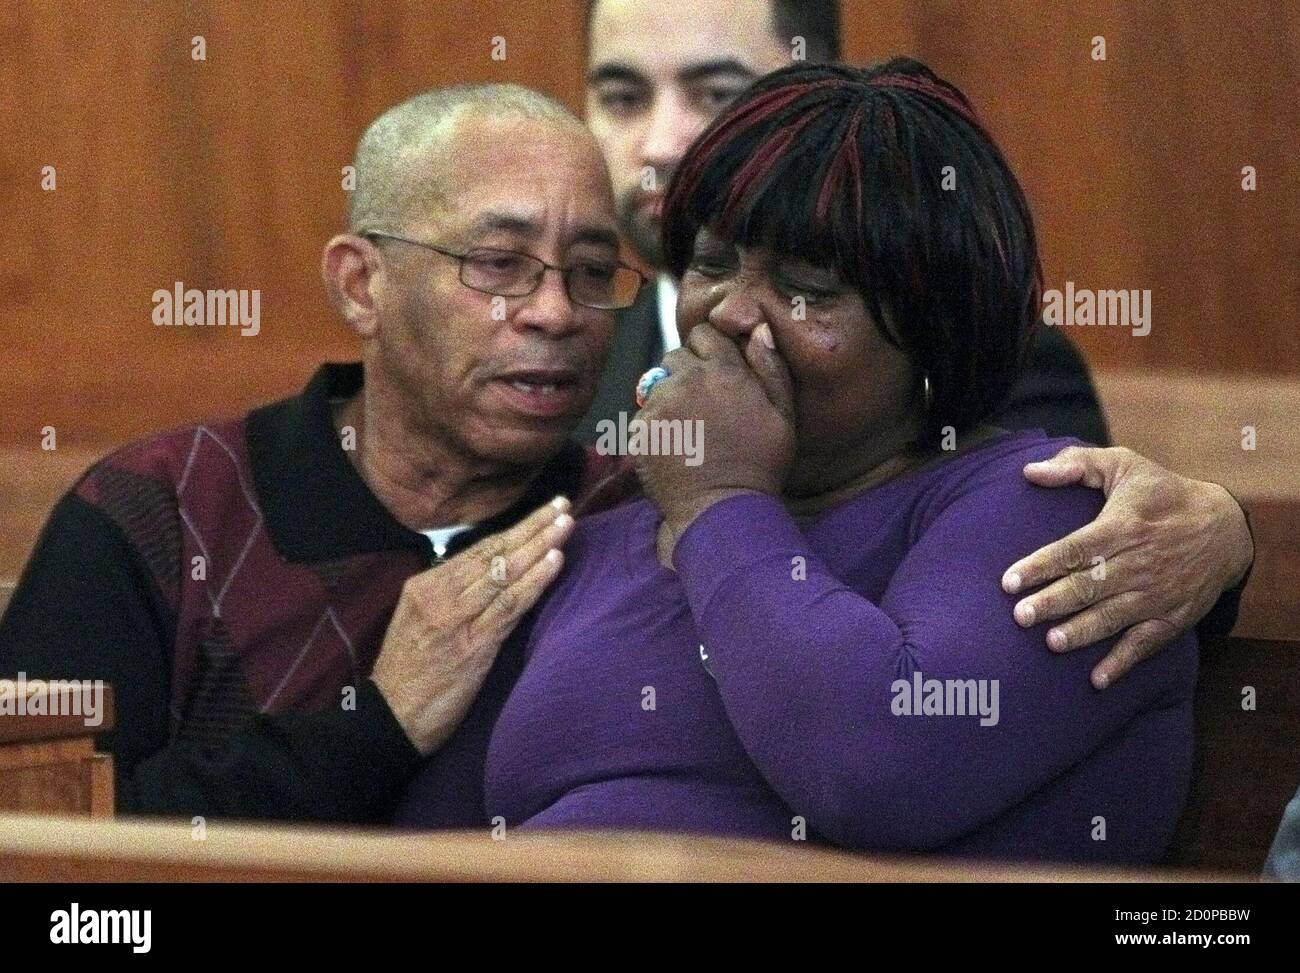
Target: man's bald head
<point x="401" y="160"/>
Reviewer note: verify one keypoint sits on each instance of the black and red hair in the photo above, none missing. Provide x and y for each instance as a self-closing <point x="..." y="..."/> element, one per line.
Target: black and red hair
<point x="849" y="168"/>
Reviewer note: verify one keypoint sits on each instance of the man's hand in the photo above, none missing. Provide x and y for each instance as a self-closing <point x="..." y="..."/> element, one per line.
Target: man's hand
<point x="1168" y="547"/>
<point x="452" y="619"/>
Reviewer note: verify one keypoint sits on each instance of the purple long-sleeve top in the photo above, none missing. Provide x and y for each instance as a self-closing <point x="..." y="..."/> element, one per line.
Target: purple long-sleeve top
<point x="857" y="678"/>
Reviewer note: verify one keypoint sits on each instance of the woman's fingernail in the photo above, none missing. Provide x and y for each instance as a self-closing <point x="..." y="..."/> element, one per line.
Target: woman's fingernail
<point x="1025" y="614"/>
<point x="563" y="521"/>
<point x="553" y="555"/>
<point x="560" y="503"/>
<point x="1057" y="641"/>
<point x="1101" y="681"/>
<point x="764" y="334"/>
<point x="1011" y="583"/>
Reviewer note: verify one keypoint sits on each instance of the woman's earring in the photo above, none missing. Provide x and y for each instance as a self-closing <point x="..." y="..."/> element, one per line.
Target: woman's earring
<point x="925" y="388"/>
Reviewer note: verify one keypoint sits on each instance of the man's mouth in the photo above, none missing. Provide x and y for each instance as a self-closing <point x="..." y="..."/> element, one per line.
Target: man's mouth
<point x="541" y="380"/>
<point x="541" y="392"/>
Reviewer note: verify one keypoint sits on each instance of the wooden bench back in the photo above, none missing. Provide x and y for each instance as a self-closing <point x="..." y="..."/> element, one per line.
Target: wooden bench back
<point x="1247" y="759"/>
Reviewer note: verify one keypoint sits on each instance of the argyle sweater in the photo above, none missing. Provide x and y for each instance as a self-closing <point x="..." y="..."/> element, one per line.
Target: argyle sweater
<point x="233" y="582"/>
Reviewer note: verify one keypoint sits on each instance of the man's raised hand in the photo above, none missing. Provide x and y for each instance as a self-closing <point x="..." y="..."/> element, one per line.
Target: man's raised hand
<point x="452" y="619"/>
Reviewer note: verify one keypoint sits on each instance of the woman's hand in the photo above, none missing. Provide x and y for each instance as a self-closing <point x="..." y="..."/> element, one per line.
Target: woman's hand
<point x="744" y="402"/>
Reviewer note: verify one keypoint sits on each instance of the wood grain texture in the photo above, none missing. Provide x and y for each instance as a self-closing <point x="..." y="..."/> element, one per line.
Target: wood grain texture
<point x="30" y="850"/>
<point x="1133" y="165"/>
<point x="226" y="173"/>
<point x="31" y="482"/>
<point x="1195" y="424"/>
<point x="98" y="769"/>
<point x="220" y="173"/>
<point x="48" y="763"/>
<point x="1247" y="764"/>
<point x="49" y="777"/>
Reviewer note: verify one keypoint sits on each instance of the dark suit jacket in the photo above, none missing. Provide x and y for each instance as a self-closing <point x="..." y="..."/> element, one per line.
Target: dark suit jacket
<point x="1055" y="392"/>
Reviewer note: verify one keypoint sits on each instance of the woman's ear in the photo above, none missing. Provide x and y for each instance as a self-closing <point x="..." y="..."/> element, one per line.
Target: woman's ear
<point x="350" y="268"/>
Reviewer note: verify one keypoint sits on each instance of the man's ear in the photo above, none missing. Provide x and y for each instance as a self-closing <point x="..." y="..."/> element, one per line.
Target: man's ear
<point x="349" y="266"/>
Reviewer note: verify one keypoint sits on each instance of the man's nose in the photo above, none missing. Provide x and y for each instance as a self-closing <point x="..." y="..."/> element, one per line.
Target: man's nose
<point x="548" y="308"/>
<point x="672" y="128"/>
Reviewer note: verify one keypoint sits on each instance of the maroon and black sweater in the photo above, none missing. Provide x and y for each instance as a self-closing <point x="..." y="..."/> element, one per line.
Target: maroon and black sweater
<point x="230" y="581"/>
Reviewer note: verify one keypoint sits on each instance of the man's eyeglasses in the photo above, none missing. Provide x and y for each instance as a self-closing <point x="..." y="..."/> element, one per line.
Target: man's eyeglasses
<point x="605" y="285"/>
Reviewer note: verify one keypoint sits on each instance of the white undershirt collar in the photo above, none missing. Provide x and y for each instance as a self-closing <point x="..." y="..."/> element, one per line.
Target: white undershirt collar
<point x="667" y="299"/>
<point x="441" y="537"/>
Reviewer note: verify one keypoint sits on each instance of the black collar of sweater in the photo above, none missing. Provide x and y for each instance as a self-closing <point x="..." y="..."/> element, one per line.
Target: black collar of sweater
<point x="317" y="506"/>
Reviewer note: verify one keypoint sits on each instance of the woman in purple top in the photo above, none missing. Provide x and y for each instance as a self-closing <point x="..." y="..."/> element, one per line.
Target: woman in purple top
<point x="802" y="636"/>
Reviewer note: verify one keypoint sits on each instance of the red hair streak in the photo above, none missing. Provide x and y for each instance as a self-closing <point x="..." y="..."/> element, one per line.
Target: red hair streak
<point x="755" y="113"/>
<point x="928" y="88"/>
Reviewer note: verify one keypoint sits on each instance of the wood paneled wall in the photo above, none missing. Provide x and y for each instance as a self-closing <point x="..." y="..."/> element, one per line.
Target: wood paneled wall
<point x="218" y="173"/>
<point x="226" y="172"/>
<point x="1134" y="164"/>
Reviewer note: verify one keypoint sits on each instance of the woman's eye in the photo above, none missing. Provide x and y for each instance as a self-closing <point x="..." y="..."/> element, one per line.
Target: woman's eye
<point x="709" y="268"/>
<point x="812" y="295"/>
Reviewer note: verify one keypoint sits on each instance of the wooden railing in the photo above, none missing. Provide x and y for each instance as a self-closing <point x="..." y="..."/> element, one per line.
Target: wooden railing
<point x="1247" y="769"/>
<point x="48" y="762"/>
<point x="1247" y="754"/>
<point x="150" y="851"/>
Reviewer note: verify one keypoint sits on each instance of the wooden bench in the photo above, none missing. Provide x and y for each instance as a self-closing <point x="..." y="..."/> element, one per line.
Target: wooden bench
<point x="1192" y="422"/>
<point x="150" y="851"/>
<point x="48" y="762"/>
<point x="1247" y="761"/>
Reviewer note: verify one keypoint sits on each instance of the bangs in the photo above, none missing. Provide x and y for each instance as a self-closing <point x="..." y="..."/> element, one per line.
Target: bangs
<point x="781" y="216"/>
<point x="758" y="190"/>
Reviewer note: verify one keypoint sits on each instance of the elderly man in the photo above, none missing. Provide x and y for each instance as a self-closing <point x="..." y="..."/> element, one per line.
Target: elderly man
<point x="256" y="590"/>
